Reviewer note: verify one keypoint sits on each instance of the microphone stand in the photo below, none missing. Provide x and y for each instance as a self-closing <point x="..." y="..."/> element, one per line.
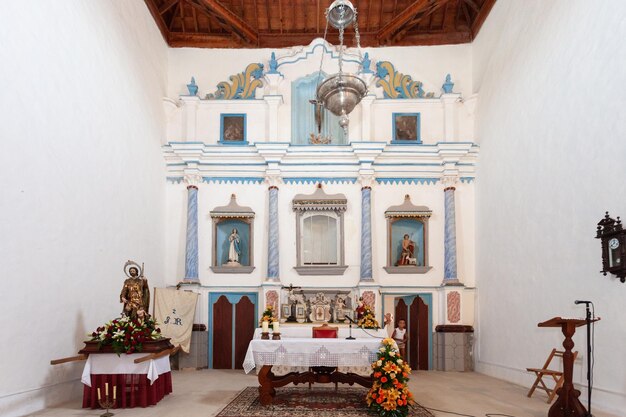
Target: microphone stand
<point x="588" y="320"/>
<point x="350" y="337"/>
<point x="351" y="321"/>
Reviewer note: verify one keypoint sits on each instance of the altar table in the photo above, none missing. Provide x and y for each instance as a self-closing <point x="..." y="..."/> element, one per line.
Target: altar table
<point x="313" y="353"/>
<point x="136" y="384"/>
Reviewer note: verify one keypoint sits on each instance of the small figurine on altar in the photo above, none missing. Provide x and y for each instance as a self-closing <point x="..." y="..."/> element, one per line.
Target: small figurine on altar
<point x="135" y="293"/>
<point x="360" y="309"/>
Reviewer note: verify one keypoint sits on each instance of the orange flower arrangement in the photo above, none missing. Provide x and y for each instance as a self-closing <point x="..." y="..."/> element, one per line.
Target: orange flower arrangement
<point x="390" y="395"/>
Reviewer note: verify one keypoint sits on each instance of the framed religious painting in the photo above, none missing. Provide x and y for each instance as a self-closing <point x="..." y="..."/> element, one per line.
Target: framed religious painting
<point x="406" y="128"/>
<point x="233" y="129"/>
<point x="407" y="238"/>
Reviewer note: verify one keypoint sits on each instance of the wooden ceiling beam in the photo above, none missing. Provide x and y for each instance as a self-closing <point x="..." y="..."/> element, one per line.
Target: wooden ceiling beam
<point x="182" y="14"/>
<point x="237" y="24"/>
<point x="154" y="11"/>
<point x="202" y="40"/>
<point x="480" y="19"/>
<point x="275" y="40"/>
<point x="417" y="19"/>
<point x="472" y="4"/>
<point x="167" y="5"/>
<point x="403" y="17"/>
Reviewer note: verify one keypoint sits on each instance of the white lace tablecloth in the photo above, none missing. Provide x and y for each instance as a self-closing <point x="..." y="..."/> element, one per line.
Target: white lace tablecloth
<point x="110" y="363"/>
<point x="311" y="352"/>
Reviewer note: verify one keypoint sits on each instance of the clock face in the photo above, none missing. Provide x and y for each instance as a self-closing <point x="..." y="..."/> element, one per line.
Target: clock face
<point x="614" y="243"/>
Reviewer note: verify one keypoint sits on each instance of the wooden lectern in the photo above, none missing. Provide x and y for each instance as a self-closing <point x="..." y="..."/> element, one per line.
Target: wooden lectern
<point x="567" y="403"/>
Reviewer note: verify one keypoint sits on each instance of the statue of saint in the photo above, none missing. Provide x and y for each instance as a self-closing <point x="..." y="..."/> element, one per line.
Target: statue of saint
<point x="234" y="251"/>
<point x="407" y="255"/>
<point x="135" y="293"/>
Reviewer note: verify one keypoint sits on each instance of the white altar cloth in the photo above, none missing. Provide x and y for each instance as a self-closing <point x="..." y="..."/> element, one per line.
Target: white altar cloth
<point x="311" y="352"/>
<point x="305" y="331"/>
<point x="110" y="363"/>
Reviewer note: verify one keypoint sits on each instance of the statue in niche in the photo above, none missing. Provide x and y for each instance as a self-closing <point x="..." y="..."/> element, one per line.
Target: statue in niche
<point x="135" y="293"/>
<point x="234" y="250"/>
<point x="407" y="254"/>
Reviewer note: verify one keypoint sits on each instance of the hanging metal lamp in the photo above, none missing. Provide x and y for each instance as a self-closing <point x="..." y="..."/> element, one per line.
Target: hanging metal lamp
<point x="341" y="92"/>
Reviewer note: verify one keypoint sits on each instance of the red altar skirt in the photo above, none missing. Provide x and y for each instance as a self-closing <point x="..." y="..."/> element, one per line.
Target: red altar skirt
<point x="132" y="390"/>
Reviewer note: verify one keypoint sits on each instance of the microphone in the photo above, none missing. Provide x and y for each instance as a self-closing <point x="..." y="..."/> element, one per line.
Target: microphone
<point x="350" y="319"/>
<point x="582" y="302"/>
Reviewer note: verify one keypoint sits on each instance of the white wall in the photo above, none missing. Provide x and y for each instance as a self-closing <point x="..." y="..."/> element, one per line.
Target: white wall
<point x="551" y="83"/>
<point x="82" y="180"/>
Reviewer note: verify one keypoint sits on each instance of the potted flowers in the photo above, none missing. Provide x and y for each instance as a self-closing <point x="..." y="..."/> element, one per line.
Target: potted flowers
<point x="126" y="335"/>
<point x="368" y="319"/>
<point x="390" y="395"/>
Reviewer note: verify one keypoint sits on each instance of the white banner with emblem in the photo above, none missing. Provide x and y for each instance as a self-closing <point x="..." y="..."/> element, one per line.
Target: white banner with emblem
<point x="174" y="310"/>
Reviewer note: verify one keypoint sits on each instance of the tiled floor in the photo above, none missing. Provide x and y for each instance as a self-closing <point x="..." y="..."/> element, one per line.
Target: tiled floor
<point x="204" y="393"/>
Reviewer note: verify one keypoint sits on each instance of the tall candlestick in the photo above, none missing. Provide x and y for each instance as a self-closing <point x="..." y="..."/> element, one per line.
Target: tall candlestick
<point x="276" y="326"/>
<point x="99" y="397"/>
<point x="114" y="392"/>
<point x="106" y="390"/>
<point x="265" y="325"/>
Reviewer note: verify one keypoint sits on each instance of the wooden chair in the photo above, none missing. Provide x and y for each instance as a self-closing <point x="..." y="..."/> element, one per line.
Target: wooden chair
<point x="324" y="332"/>
<point x="557" y="376"/>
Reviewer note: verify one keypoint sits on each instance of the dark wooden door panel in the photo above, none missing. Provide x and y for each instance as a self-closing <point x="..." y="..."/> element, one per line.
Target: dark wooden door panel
<point x="413" y="334"/>
<point x="419" y="327"/>
<point x="222" y="334"/>
<point x="244" y="329"/>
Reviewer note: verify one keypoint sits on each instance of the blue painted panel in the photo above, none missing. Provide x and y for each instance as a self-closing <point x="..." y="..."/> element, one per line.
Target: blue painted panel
<point x="303" y="112"/>
<point x="224" y="229"/>
<point x="234" y="128"/>
<point x="232" y="298"/>
<point x="415" y="230"/>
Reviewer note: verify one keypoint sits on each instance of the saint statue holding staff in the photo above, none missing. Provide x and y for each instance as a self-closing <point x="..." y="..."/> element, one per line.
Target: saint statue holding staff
<point x="135" y="293"/>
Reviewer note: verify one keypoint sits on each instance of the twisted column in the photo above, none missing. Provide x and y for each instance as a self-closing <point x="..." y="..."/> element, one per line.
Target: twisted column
<point x="272" y="244"/>
<point x="450" y="276"/>
<point x="191" y="248"/>
<point x="366" y="234"/>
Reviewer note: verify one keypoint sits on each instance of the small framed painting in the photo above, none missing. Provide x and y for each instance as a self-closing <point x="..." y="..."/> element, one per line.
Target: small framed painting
<point x="286" y="310"/>
<point x="233" y="129"/>
<point x="406" y="128"/>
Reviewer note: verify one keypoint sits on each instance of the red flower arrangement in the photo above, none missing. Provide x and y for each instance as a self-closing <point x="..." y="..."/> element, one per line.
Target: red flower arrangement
<point x="390" y="395"/>
<point x="126" y="335"/>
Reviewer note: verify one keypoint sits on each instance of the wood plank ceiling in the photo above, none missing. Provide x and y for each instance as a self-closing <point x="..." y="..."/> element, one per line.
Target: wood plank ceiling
<point x="284" y="23"/>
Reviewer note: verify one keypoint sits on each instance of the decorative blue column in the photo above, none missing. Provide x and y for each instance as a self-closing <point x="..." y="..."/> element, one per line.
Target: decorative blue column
<point x="449" y="276"/>
<point x="191" y="249"/>
<point x="272" y="244"/>
<point x="366" y="234"/>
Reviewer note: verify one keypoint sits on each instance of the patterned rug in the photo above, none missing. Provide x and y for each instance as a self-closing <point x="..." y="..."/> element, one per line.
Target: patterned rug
<point x="305" y="402"/>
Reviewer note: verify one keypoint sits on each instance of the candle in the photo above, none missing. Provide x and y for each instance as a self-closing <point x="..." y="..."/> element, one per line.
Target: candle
<point x="113" y="387"/>
<point x="276" y="326"/>
<point x="99" y="397"/>
<point x="265" y="326"/>
<point x="106" y="390"/>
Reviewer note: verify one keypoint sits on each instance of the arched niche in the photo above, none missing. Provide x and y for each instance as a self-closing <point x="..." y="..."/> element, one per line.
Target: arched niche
<point x="407" y="238"/>
<point x="233" y="238"/>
